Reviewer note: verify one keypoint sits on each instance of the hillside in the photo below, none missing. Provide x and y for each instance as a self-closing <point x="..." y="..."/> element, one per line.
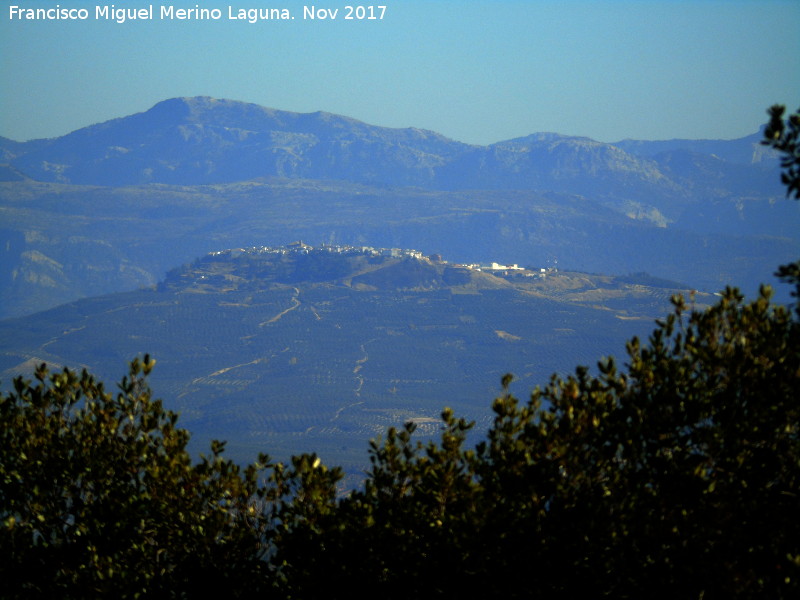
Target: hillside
<point x="290" y="349"/>
<point x="362" y="268"/>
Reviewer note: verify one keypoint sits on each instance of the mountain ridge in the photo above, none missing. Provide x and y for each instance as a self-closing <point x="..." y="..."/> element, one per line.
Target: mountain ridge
<point x="242" y="141"/>
<point x="117" y="204"/>
<point x="203" y="140"/>
<point x="193" y="104"/>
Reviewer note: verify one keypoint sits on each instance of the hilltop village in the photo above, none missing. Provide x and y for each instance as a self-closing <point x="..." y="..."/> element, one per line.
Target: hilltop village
<point x="300" y="247"/>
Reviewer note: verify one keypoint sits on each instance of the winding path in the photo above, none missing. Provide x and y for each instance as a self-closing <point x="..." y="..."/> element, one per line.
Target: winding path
<point x="295" y="300"/>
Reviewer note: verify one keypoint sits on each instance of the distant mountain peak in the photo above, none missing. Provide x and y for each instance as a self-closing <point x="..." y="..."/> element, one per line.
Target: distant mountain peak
<point x="547" y="137"/>
<point x="203" y="140"/>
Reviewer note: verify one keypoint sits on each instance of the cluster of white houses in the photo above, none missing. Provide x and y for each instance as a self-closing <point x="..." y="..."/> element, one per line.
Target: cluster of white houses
<point x="303" y="248"/>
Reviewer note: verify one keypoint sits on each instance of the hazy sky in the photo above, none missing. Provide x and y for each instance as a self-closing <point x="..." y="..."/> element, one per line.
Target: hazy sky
<point x="477" y="72"/>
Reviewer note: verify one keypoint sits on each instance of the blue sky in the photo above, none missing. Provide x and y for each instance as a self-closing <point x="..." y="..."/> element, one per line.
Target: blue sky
<point x="478" y="72"/>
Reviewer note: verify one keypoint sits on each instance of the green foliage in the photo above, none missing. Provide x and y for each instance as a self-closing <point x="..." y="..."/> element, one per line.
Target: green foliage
<point x="98" y="496"/>
<point x="783" y="136"/>
<point x="676" y="478"/>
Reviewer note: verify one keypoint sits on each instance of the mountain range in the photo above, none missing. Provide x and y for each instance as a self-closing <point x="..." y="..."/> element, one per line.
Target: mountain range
<point x="115" y="205"/>
<point x="195" y="141"/>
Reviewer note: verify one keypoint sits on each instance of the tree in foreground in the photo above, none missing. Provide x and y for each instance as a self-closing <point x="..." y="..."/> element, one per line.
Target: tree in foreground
<point x="678" y="477"/>
<point x="784" y="136"/>
<point x="98" y="496"/>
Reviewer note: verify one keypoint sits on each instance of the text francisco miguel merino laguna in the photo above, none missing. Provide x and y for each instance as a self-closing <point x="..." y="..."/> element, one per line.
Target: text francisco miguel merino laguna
<point x="110" y="12"/>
